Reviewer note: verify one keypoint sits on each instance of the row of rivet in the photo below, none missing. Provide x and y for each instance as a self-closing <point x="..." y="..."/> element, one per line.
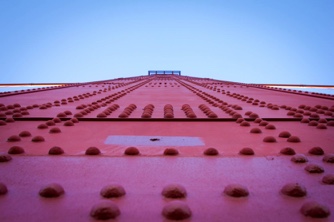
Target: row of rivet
<point x="178" y="210"/>
<point x="133" y="151"/>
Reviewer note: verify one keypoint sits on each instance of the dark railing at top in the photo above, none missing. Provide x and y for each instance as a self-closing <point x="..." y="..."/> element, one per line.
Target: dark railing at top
<point x="164" y="72"/>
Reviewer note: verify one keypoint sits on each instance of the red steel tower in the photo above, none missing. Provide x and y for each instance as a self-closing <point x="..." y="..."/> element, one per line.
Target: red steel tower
<point x="166" y="147"/>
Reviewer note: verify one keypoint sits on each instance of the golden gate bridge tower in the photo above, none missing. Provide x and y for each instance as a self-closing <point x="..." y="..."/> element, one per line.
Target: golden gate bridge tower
<point x="166" y="147"/>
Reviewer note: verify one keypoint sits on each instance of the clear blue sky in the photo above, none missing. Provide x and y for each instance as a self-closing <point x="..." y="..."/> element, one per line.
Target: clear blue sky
<point x="252" y="41"/>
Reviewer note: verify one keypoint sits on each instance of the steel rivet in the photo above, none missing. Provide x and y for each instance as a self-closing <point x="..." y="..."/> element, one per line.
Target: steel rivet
<point x="92" y="151"/>
<point x="51" y="190"/>
<point x="284" y="134"/>
<point x="328" y="179"/>
<point x="313" y="168"/>
<point x="56" y="150"/>
<point x="171" y="152"/>
<point x="112" y="191"/>
<point x="4" y="157"/>
<point x="174" y="191"/>
<point x="15" y="150"/>
<point x="13" y="138"/>
<point x="315" y="210"/>
<point x="211" y="151"/>
<point x="288" y="151"/>
<point x="176" y="210"/>
<point x="236" y="190"/>
<point x="3" y="189"/>
<point x="316" y="151"/>
<point x="255" y="130"/>
<point x="132" y="151"/>
<point x="294" y="190"/>
<point x="269" y="139"/>
<point x="293" y="139"/>
<point x="105" y="210"/>
<point x="299" y="158"/>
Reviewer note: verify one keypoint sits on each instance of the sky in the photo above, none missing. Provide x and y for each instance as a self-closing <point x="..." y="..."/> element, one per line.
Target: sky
<point x="249" y="41"/>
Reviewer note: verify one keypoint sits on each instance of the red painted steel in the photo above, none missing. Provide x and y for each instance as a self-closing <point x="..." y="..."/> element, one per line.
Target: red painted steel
<point x="221" y="151"/>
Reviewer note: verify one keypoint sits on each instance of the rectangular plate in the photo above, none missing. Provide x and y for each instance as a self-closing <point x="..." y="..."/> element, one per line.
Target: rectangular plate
<point x="154" y="140"/>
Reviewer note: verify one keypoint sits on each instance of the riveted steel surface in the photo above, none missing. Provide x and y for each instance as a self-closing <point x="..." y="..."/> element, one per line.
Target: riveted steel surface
<point x="147" y="132"/>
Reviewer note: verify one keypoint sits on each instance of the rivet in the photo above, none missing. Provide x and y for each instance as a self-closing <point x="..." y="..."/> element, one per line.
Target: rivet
<point x="92" y="151"/>
<point x="328" y="179"/>
<point x="322" y="120"/>
<point x="246" y="151"/>
<point x="25" y="134"/>
<point x="211" y="152"/>
<point x="2" y="123"/>
<point x="248" y="113"/>
<point x="288" y="151"/>
<point x="78" y="115"/>
<point x="174" y="191"/>
<point x="212" y="115"/>
<point x="25" y="113"/>
<point x="244" y="123"/>
<point x="38" y="139"/>
<point x="13" y="138"/>
<point x="61" y="115"/>
<point x="305" y="120"/>
<point x="3" y="189"/>
<point x="9" y="120"/>
<point x="270" y="127"/>
<point x="56" y="150"/>
<point x="299" y="158"/>
<point x="269" y="139"/>
<point x="253" y="115"/>
<point x="255" y="130"/>
<point x="55" y="130"/>
<point x="68" y="123"/>
<point x="316" y="151"/>
<point x="307" y="113"/>
<point x="101" y="115"/>
<point x="50" y="123"/>
<point x="171" y="152"/>
<point x="328" y="158"/>
<point x="42" y="126"/>
<point x="240" y="120"/>
<point x="284" y="134"/>
<point x="298" y="115"/>
<point x="112" y="191"/>
<point x="321" y="126"/>
<point x="236" y="190"/>
<point x="294" y="190"/>
<point x="315" y="210"/>
<point x="17" y="115"/>
<point x="124" y="115"/>
<point x="56" y="120"/>
<point x="51" y="190"/>
<point x="313" y="123"/>
<point x="132" y="151"/>
<point x="105" y="210"/>
<point x="4" y="157"/>
<point x="67" y="112"/>
<point x="15" y="150"/>
<point x="314" y="168"/>
<point x="330" y="123"/>
<point x="74" y="120"/>
<point x="236" y="116"/>
<point x="263" y="123"/>
<point x="293" y="139"/>
<point x="176" y="210"/>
